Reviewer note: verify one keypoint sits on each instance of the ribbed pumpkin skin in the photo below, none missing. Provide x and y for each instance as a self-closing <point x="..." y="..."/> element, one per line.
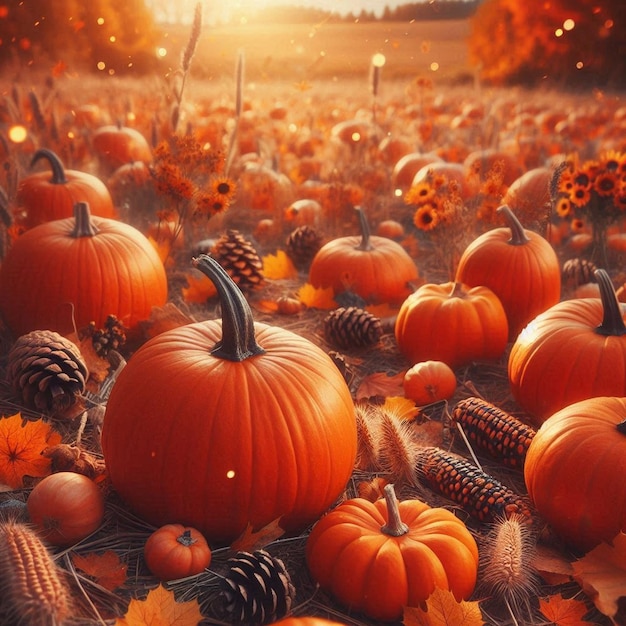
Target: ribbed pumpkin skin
<point x="369" y="571"/>
<point x="559" y="359"/>
<point x="46" y="270"/>
<point x="381" y="275"/>
<point x="179" y="420"/>
<point x="574" y="471"/>
<point x="526" y="277"/>
<point x="453" y="323"/>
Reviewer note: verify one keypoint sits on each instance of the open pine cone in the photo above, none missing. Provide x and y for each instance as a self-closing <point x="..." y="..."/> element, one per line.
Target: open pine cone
<point x="47" y="372"/>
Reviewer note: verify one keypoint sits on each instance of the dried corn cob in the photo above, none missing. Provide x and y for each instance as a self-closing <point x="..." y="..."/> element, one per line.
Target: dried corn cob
<point x="33" y="592"/>
<point x="481" y="495"/>
<point x="494" y="431"/>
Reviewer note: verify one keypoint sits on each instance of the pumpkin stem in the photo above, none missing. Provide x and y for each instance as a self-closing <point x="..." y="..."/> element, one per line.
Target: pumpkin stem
<point x="612" y="322"/>
<point x="365" y="231"/>
<point x="83" y="226"/>
<point x="457" y="290"/>
<point x="186" y="539"/>
<point x="518" y="235"/>
<point x="394" y="527"/>
<point x="238" y="339"/>
<point x="58" y="172"/>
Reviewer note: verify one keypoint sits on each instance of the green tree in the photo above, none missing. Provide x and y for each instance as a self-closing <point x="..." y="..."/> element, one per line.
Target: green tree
<point x="563" y="42"/>
<point x="116" y="36"/>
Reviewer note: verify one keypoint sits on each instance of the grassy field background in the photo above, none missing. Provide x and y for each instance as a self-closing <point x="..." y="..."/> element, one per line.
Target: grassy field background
<point x="327" y="51"/>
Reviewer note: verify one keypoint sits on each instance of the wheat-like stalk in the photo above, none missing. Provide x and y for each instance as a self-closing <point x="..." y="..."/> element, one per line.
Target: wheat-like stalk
<point x="33" y="591"/>
<point x="398" y="452"/>
<point x="506" y="572"/>
<point x="239" y="73"/>
<point x="367" y="429"/>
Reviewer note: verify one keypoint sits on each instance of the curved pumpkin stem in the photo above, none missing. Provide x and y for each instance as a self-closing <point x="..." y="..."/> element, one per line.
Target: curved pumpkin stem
<point x="612" y="322"/>
<point x="83" y="226"/>
<point x="394" y="527"/>
<point x="238" y="339"/>
<point x="58" y="171"/>
<point x="365" y="231"/>
<point x="457" y="290"/>
<point x="518" y="236"/>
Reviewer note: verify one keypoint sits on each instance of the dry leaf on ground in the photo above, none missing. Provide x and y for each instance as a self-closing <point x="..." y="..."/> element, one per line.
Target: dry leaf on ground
<point x="255" y="540"/>
<point x="563" y="611"/>
<point x="444" y="610"/>
<point x="380" y="384"/>
<point x="279" y="266"/>
<point x="602" y="575"/>
<point x="106" y="569"/>
<point x="161" y="609"/>
<point x="401" y="408"/>
<point x="317" y="298"/>
<point x="21" y="445"/>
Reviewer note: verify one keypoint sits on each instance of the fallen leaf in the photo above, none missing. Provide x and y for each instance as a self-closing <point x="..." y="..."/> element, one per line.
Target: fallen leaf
<point x="161" y="609"/>
<point x="382" y="311"/>
<point x="602" y="575"/>
<point x="317" y="297"/>
<point x="65" y="457"/>
<point x="97" y="367"/>
<point x="552" y="565"/>
<point x="164" y="318"/>
<point x="380" y="384"/>
<point x="563" y="611"/>
<point x="442" y="609"/>
<point x="21" y="445"/>
<point x="200" y="288"/>
<point x="372" y="490"/>
<point x="279" y="266"/>
<point x="106" y="569"/>
<point x="401" y="408"/>
<point x="251" y="540"/>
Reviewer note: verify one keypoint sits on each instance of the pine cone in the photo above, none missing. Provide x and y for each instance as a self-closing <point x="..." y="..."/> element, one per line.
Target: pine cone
<point x="240" y="259"/>
<point x="110" y="337"/>
<point x="352" y="327"/>
<point x="302" y="245"/>
<point x="46" y="371"/>
<point x="256" y="589"/>
<point x="578" y="271"/>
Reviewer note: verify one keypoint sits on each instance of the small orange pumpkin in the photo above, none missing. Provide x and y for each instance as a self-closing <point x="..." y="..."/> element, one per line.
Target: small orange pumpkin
<point x="452" y="322"/>
<point x="43" y="197"/>
<point x="379" y="557"/>
<point x="65" y="507"/>
<point x="176" y="551"/>
<point x="429" y="381"/>
<point x="116" y="144"/>
<point x="376" y="268"/>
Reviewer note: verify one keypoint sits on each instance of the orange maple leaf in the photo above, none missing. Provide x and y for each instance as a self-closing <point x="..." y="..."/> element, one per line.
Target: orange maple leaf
<point x="21" y="445"/>
<point x="444" y="610"/>
<point x="317" y="297"/>
<point x="160" y="608"/>
<point x="251" y="540"/>
<point x="602" y="575"/>
<point x="200" y="289"/>
<point x="563" y="611"/>
<point x="106" y="569"/>
<point x="278" y="266"/>
<point x="401" y="407"/>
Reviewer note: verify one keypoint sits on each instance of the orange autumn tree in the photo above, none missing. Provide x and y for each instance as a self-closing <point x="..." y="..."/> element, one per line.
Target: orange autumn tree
<point x="563" y="42"/>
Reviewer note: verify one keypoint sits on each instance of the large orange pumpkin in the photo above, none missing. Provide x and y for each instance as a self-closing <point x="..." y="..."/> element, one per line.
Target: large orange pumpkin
<point x="573" y="351"/>
<point x="376" y="268"/>
<point x="379" y="557"/>
<point x="44" y="196"/>
<point x="64" y="274"/>
<point x="575" y="468"/>
<point x="518" y="265"/>
<point x="232" y="425"/>
<point x="453" y="323"/>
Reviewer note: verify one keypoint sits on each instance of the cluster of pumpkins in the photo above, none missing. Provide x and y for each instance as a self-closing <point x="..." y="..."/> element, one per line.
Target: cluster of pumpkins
<point x="273" y="435"/>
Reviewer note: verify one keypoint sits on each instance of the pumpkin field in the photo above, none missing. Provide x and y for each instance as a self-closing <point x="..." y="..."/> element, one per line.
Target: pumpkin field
<point x="311" y="344"/>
